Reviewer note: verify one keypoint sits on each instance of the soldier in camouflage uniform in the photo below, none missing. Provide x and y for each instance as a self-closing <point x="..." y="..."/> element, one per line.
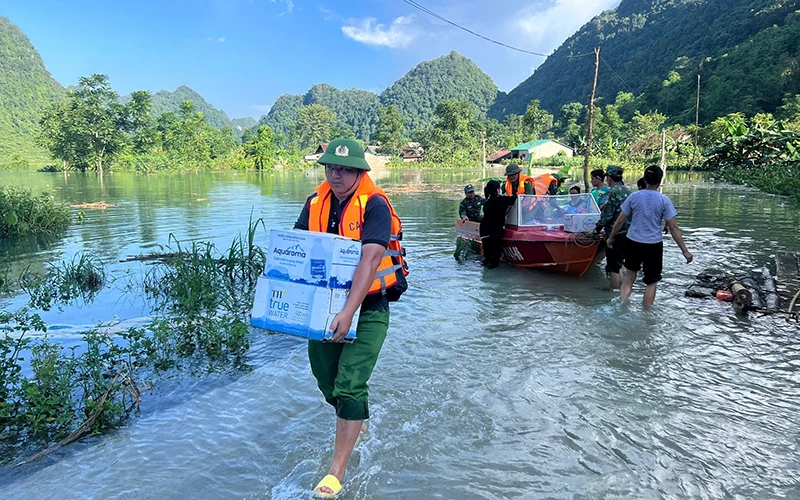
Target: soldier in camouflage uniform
<point x="611" y="210"/>
<point x="470" y="208"/>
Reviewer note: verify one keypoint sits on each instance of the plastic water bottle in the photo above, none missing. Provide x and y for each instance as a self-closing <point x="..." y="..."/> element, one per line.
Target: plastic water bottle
<point x="318" y="260"/>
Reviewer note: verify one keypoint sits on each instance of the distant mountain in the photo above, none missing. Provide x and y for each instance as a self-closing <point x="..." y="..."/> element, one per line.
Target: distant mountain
<point x="746" y="51"/>
<point x="354" y="108"/>
<point x="242" y="124"/>
<point x="26" y="88"/>
<point x="165" y="101"/>
<point x="283" y="114"/>
<point x="416" y="95"/>
<point x="448" y="77"/>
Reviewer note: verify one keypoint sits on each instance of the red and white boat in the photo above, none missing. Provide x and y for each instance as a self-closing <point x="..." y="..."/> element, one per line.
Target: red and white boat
<point x="535" y="234"/>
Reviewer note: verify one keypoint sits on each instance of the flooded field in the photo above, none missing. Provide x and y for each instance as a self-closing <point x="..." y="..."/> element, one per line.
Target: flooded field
<point x="492" y="384"/>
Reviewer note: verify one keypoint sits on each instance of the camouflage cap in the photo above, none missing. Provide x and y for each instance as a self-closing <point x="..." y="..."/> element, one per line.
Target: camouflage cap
<point x="512" y="169"/>
<point x="469" y="188"/>
<point x="346" y="153"/>
<point x="614" y="170"/>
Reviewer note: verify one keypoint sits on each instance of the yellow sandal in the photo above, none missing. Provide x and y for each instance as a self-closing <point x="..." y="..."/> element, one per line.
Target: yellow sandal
<point x="332" y="483"/>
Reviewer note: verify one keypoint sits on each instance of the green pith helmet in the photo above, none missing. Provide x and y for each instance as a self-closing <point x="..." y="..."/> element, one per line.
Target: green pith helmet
<point x="345" y="153"/>
<point x="614" y="170"/>
<point x="512" y="169"/>
<point x="469" y="188"/>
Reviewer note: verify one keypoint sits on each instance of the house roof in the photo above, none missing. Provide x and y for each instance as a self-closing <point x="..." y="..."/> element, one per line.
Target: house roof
<point x="498" y="154"/>
<point x="530" y="145"/>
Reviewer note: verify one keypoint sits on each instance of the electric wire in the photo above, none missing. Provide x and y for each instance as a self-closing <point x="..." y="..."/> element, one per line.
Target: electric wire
<point x="617" y="76"/>
<point x="437" y="16"/>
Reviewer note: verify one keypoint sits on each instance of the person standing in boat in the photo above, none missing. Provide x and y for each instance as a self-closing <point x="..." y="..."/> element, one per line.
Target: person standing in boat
<point x="645" y="247"/>
<point x="516" y="182"/>
<point x="599" y="188"/>
<point x="470" y="208"/>
<point x="611" y="211"/>
<point x="494" y="219"/>
<point x="349" y="204"/>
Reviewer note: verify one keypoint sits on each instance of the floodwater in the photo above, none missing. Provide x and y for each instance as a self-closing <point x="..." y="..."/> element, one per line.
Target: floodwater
<point x="492" y="384"/>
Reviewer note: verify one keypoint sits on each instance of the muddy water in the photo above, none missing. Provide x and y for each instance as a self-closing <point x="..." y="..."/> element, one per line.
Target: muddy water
<point x="492" y="384"/>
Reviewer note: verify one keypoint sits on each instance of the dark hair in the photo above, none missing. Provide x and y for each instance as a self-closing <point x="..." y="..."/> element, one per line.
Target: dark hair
<point x="491" y="189"/>
<point x="615" y="177"/>
<point x="599" y="174"/>
<point x="641" y="184"/>
<point x="653" y="175"/>
<point x="576" y="188"/>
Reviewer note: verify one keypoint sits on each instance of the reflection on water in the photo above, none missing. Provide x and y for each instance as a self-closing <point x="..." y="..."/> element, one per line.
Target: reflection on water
<point x="492" y="384"/>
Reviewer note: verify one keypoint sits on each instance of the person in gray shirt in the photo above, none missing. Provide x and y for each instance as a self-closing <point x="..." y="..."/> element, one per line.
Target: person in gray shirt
<point x="645" y="247"/>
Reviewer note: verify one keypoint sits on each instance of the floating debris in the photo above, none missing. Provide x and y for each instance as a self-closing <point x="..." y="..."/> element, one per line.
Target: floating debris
<point x="98" y="205"/>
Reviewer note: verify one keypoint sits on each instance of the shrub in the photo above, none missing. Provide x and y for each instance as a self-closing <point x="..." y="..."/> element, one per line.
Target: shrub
<point x="22" y="213"/>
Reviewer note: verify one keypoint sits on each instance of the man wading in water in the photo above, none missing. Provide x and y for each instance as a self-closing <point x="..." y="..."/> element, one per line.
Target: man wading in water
<point x="349" y="204"/>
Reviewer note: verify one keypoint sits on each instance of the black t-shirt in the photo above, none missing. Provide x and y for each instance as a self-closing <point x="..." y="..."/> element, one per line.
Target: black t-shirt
<point x="377" y="229"/>
<point x="494" y="215"/>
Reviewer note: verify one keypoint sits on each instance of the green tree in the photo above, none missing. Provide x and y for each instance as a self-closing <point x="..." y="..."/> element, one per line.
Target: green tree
<point x="568" y="126"/>
<point x="88" y="130"/>
<point x="515" y="130"/>
<point x="314" y="125"/>
<point x="140" y="122"/>
<point x="100" y="118"/>
<point x="537" y="121"/>
<point x="262" y="148"/>
<point x="789" y="109"/>
<point x="391" y="131"/>
<point x="453" y="138"/>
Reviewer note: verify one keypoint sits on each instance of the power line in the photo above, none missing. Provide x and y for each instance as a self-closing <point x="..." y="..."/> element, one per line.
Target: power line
<point x="437" y="16"/>
<point x="616" y="75"/>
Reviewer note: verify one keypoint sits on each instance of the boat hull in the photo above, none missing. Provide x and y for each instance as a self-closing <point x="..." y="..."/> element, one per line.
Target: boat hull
<point x="537" y="247"/>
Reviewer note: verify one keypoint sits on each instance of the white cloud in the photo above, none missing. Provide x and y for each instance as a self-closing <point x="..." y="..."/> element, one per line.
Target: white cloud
<point x="546" y="27"/>
<point x="367" y="31"/>
<point x="289" y="5"/>
<point x="215" y="39"/>
<point x="328" y="14"/>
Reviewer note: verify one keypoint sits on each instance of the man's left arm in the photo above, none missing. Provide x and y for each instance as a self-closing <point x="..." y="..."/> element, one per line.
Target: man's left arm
<point x="375" y="235"/>
<point x="606" y="214"/>
<point x="529" y="189"/>
<point x="371" y="256"/>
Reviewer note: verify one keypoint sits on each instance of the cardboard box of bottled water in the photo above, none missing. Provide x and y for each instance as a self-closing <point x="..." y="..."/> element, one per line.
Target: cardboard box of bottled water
<point x="306" y="282"/>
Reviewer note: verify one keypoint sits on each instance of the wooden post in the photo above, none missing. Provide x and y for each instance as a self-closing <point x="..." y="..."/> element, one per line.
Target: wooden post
<point x="483" y="164"/>
<point x="591" y="121"/>
<point x="696" y="123"/>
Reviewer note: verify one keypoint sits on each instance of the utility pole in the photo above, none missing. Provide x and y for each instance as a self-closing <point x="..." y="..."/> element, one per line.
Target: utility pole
<point x="664" y="153"/>
<point x="591" y="120"/>
<point x="696" y="123"/>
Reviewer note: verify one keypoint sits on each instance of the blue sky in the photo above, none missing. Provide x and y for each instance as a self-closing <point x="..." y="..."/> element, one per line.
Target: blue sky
<point x="242" y="54"/>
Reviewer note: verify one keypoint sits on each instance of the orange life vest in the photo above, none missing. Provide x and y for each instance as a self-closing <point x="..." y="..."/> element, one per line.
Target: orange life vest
<point x="541" y="183"/>
<point x="351" y="222"/>
<point x="520" y="188"/>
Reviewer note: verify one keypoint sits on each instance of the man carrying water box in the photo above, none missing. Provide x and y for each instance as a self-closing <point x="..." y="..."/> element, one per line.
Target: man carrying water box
<point x="349" y="204"/>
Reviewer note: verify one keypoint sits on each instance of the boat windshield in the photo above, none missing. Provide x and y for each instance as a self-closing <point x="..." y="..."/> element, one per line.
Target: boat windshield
<point x="549" y="210"/>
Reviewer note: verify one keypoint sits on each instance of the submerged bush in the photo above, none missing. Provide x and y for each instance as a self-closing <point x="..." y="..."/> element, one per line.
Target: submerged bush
<point x="200" y="299"/>
<point x="81" y="278"/>
<point x="60" y="393"/>
<point x="21" y="212"/>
